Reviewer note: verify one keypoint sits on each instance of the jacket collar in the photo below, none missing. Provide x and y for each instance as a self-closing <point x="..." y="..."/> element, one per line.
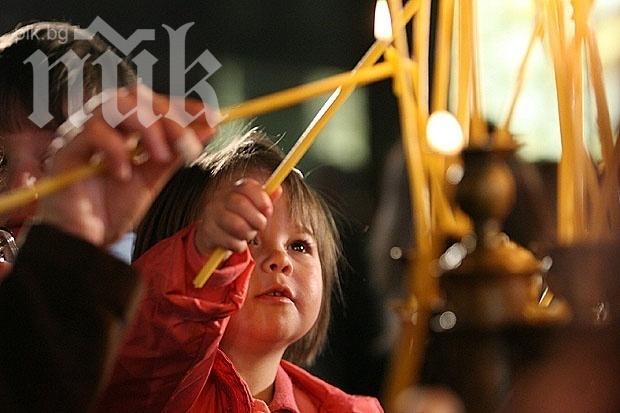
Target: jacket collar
<point x="283" y="396"/>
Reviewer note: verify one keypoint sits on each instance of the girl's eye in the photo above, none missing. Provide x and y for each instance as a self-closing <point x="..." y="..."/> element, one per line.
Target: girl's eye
<point x="301" y="246"/>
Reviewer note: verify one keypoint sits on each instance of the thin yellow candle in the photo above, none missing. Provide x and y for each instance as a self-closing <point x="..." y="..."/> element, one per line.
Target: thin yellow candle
<point x="445" y="139"/>
<point x="292" y="96"/>
<point x="305" y="141"/>
<point x="585" y="176"/>
<point x="464" y="69"/>
<point x="503" y="136"/>
<point x="566" y="189"/>
<point x="609" y="185"/>
<point x="411" y="142"/>
<point x="443" y="48"/>
<point x="408" y="359"/>
<point x="421" y="43"/>
<point x="391" y="58"/>
<point x="46" y="186"/>
<point x="478" y="133"/>
<point x="579" y="173"/>
<point x="602" y="108"/>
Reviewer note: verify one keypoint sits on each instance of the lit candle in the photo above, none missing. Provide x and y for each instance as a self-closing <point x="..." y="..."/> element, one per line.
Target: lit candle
<point x="408" y="353"/>
<point x="383" y="23"/>
<point x="444" y="133"/>
<point x="445" y="138"/>
<point x="411" y="142"/>
<point x="305" y="141"/>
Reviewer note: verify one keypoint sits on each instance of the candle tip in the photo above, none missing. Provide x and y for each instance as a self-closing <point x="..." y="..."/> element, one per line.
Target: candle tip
<point x="444" y="133"/>
<point x="383" y="21"/>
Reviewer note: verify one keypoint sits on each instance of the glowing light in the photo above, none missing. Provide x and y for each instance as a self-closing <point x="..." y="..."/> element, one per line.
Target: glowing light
<point x="444" y="133"/>
<point x="447" y="320"/>
<point x="383" y="21"/>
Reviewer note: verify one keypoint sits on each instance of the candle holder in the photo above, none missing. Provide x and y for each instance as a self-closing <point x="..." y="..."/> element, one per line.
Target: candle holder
<point x="493" y="319"/>
<point x="498" y="282"/>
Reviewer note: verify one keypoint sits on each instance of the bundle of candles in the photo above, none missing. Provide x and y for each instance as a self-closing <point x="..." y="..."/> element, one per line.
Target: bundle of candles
<point x="588" y="207"/>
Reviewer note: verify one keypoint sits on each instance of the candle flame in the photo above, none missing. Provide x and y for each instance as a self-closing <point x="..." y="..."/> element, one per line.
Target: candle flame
<point x="383" y="21"/>
<point x="444" y="133"/>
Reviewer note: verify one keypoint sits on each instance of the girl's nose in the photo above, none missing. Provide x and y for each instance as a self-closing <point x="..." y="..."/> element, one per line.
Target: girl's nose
<point x="277" y="261"/>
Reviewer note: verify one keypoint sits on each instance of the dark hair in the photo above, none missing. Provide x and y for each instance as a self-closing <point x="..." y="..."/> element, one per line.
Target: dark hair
<point x="16" y="78"/>
<point x="182" y="199"/>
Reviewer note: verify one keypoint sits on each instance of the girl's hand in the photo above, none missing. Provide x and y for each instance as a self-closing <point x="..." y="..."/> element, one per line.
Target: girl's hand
<point x="234" y="216"/>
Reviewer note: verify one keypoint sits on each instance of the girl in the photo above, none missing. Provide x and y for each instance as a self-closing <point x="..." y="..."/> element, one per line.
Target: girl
<point x="221" y="348"/>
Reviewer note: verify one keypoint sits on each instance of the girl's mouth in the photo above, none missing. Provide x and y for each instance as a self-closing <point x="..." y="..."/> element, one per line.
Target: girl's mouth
<point x="279" y="293"/>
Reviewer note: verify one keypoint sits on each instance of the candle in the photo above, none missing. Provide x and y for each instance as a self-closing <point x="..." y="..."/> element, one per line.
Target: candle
<point x="383" y="23"/>
<point x="503" y="137"/>
<point x="602" y="109"/>
<point x="581" y="157"/>
<point x="566" y="188"/>
<point x="445" y="138"/>
<point x="443" y="48"/>
<point x="464" y="69"/>
<point x="391" y="57"/>
<point x="305" y="141"/>
<point x="292" y="96"/>
<point x="444" y="133"/>
<point x="408" y="353"/>
<point x="422" y="43"/>
<point x="46" y="186"/>
<point x="411" y="142"/>
<point x="479" y="134"/>
<point x="611" y="154"/>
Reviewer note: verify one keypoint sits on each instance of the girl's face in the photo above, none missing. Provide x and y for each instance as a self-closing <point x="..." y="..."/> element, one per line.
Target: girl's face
<point x="285" y="290"/>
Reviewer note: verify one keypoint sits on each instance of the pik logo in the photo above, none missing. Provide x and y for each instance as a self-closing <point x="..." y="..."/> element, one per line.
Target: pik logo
<point x="144" y="62"/>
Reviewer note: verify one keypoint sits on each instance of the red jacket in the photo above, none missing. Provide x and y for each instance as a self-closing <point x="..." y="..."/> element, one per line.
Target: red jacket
<point x="170" y="360"/>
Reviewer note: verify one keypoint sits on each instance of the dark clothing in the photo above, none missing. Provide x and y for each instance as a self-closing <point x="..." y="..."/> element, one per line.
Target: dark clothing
<point x="61" y="310"/>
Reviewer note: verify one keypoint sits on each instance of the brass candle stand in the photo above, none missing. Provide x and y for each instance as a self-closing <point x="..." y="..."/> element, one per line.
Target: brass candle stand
<point x="498" y="282"/>
<point x="492" y="289"/>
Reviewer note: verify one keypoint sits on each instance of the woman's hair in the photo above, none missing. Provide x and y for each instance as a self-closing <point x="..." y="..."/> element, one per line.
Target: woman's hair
<point x="183" y="198"/>
<point x="54" y="39"/>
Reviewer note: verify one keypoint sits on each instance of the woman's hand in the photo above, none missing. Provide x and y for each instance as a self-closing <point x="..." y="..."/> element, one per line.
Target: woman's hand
<point x="102" y="208"/>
